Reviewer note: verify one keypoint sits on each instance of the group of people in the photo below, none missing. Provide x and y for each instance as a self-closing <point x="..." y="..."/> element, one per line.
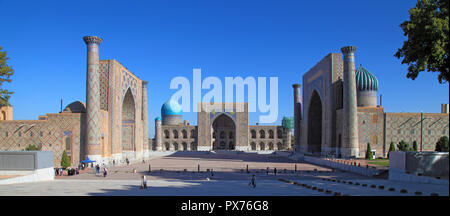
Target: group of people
<point x="97" y="170"/>
<point x="70" y="171"/>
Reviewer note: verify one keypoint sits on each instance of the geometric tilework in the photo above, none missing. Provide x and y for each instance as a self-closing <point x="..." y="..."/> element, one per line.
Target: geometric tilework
<point x="104" y="84"/>
<point x="49" y="134"/>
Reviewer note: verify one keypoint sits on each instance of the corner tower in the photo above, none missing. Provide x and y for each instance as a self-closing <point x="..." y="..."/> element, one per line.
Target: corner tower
<point x="350" y="146"/>
<point x="297" y="114"/>
<point x="93" y="146"/>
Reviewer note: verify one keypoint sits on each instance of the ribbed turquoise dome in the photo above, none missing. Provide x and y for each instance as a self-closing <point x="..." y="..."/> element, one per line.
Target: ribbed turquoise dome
<point x="158" y="119"/>
<point x="171" y="107"/>
<point x="365" y="81"/>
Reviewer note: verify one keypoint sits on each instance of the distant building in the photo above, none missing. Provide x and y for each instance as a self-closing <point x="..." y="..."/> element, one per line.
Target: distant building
<point x="217" y="129"/>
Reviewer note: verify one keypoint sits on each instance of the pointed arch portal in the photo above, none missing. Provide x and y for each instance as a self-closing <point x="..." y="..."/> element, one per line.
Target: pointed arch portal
<point x="223" y="124"/>
<point x="128" y="122"/>
<point x="315" y="124"/>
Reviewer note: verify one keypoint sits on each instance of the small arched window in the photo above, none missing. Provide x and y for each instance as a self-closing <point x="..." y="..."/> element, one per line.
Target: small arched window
<point x="262" y="134"/>
<point x="279" y="134"/>
<point x="68" y="143"/>
<point x="262" y="146"/>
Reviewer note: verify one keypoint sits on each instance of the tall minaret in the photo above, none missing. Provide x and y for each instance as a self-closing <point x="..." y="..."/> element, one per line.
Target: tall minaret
<point x="145" y="117"/>
<point x="93" y="148"/>
<point x="350" y="143"/>
<point x="158" y="134"/>
<point x="297" y="115"/>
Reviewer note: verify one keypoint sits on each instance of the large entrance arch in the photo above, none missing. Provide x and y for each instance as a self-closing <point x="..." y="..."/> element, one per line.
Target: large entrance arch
<point x="315" y="124"/>
<point x="128" y="122"/>
<point x="223" y="133"/>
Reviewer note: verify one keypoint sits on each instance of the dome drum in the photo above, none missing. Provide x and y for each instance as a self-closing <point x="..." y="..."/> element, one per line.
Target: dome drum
<point x="367" y="87"/>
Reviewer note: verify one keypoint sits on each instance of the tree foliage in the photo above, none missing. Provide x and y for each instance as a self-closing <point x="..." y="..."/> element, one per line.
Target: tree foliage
<point x="442" y="144"/>
<point x="427" y="45"/>
<point x="403" y="146"/>
<point x="369" y="154"/>
<point x="32" y="147"/>
<point x="65" y="160"/>
<point x="5" y="76"/>
<point x="391" y="148"/>
<point x="415" y="146"/>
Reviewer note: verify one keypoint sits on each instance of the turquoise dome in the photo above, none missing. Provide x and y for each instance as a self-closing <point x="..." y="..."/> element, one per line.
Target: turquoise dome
<point x="157" y="119"/>
<point x="171" y="107"/>
<point x="365" y="81"/>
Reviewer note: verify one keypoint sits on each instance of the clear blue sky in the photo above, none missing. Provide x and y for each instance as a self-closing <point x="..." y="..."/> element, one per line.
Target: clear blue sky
<point x="159" y="40"/>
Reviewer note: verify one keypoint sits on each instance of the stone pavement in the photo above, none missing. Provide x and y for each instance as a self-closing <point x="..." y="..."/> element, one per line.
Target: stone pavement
<point x="230" y="179"/>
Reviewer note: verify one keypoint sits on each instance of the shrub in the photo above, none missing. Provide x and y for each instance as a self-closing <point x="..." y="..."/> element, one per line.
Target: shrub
<point x="369" y="152"/>
<point x="33" y="148"/>
<point x="65" y="160"/>
<point x="391" y="148"/>
<point x="442" y="144"/>
<point x="415" y="148"/>
<point x="403" y="146"/>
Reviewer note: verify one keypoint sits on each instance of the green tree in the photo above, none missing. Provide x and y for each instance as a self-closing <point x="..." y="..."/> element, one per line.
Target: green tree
<point x="403" y="146"/>
<point x="369" y="154"/>
<point x="415" y="147"/>
<point x="391" y="148"/>
<point x="427" y="45"/>
<point x="442" y="144"/>
<point x="65" y="160"/>
<point x="33" y="148"/>
<point x="5" y="76"/>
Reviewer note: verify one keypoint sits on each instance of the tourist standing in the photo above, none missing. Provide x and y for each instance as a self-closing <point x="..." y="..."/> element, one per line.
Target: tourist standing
<point x="253" y="181"/>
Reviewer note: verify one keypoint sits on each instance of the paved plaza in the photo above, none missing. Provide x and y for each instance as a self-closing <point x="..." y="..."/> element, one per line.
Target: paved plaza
<point x="230" y="179"/>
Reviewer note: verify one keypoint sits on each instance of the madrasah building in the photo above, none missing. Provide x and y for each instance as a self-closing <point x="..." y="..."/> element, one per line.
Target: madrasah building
<point x="338" y="114"/>
<point x="111" y="125"/>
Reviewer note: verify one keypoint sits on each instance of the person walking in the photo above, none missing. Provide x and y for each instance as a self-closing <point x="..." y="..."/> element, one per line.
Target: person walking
<point x="144" y="182"/>
<point x="252" y="181"/>
<point x="128" y="161"/>
<point x="105" y="172"/>
<point x="275" y="171"/>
